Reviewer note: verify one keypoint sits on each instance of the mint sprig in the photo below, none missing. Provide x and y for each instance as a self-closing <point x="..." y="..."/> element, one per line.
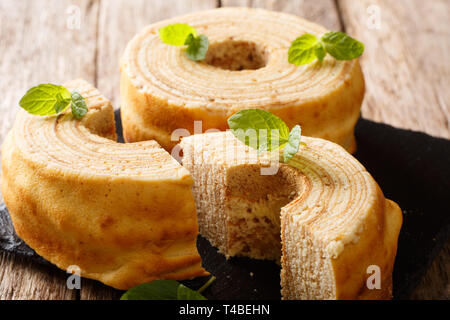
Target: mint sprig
<point x="165" y="290"/>
<point x="197" y="47"/>
<point x="341" y="46"/>
<point x="176" y="34"/>
<point x="79" y="108"/>
<point x="48" y="99"/>
<point x="307" y="48"/>
<point x="265" y="131"/>
<point x="183" y="34"/>
<point x="303" y="49"/>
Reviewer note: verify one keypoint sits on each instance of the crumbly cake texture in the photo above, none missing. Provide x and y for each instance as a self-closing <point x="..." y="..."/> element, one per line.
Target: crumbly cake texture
<point x="77" y="197"/>
<point x="246" y="67"/>
<point x="331" y="216"/>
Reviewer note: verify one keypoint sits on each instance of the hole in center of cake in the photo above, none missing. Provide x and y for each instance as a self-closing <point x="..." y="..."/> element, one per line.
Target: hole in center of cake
<point x="236" y="55"/>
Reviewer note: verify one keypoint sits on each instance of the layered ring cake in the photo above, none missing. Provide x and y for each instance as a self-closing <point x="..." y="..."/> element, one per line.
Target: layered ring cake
<point x="246" y="66"/>
<point x="78" y="197"/>
<point x="323" y="215"/>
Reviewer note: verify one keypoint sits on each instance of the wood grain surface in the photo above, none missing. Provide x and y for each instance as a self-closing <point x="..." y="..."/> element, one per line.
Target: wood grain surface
<point x="409" y="87"/>
<point x="36" y="46"/>
<point x="405" y="65"/>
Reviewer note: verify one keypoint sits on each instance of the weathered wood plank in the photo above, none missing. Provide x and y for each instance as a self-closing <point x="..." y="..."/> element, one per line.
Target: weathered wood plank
<point x="22" y="279"/>
<point x="119" y="21"/>
<point x="39" y="46"/>
<point x="40" y="42"/>
<point x="405" y="62"/>
<point x="95" y="290"/>
<point x="323" y="12"/>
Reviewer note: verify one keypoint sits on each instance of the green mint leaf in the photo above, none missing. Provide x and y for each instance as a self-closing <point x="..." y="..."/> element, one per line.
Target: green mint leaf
<point x="156" y="290"/>
<point x="184" y="34"/>
<point x="303" y="49"/>
<point x="320" y="51"/>
<point x="184" y="293"/>
<point x="254" y="128"/>
<point x="176" y="34"/>
<point x="79" y="108"/>
<point x="341" y="46"/>
<point x="46" y="99"/>
<point x="259" y="129"/>
<point x="197" y="47"/>
<point x="306" y="48"/>
<point x="61" y="103"/>
<point x="293" y="144"/>
<point x="165" y="290"/>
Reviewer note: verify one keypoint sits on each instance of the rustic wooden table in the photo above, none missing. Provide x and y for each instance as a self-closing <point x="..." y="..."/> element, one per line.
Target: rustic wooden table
<point x="406" y="66"/>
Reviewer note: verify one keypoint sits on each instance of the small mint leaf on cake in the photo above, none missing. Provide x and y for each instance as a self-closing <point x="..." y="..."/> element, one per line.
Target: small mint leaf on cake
<point x="48" y="99"/>
<point x="259" y="129"/>
<point x="341" y="46"/>
<point x="265" y="131"/>
<point x="79" y="108"/>
<point x="303" y="49"/>
<point x="320" y="51"/>
<point x="307" y="48"/>
<point x="61" y="102"/>
<point x="176" y="34"/>
<point x="184" y="34"/>
<point x="197" y="47"/>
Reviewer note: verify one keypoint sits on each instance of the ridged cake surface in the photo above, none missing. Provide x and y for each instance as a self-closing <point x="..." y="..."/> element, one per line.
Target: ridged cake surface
<point x="323" y="214"/>
<point x="123" y="213"/>
<point x="246" y="67"/>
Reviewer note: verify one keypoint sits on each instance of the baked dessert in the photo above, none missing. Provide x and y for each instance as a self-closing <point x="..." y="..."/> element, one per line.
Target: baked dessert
<point x="324" y="214"/>
<point x="246" y="66"/>
<point x="77" y="197"/>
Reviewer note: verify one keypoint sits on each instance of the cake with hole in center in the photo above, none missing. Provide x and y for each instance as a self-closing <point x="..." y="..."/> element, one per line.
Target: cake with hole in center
<point x="322" y="216"/>
<point x="79" y="198"/>
<point x="246" y="66"/>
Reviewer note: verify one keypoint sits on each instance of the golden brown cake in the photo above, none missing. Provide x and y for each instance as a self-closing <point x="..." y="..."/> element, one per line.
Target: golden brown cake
<point x="323" y="214"/>
<point x="77" y="197"/>
<point x="246" y="67"/>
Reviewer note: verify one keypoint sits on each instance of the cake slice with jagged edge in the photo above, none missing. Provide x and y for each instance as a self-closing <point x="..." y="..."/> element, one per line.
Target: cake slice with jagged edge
<point x="323" y="214"/>
<point x="123" y="213"/>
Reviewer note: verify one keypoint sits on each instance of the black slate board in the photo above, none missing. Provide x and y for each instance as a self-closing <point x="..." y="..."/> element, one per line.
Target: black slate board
<point x="412" y="169"/>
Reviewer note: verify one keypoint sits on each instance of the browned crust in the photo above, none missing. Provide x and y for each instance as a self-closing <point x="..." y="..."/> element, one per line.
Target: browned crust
<point x="324" y="255"/>
<point x="97" y="244"/>
<point x="377" y="246"/>
<point x="121" y="231"/>
<point x="331" y="116"/>
<point x="146" y="117"/>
